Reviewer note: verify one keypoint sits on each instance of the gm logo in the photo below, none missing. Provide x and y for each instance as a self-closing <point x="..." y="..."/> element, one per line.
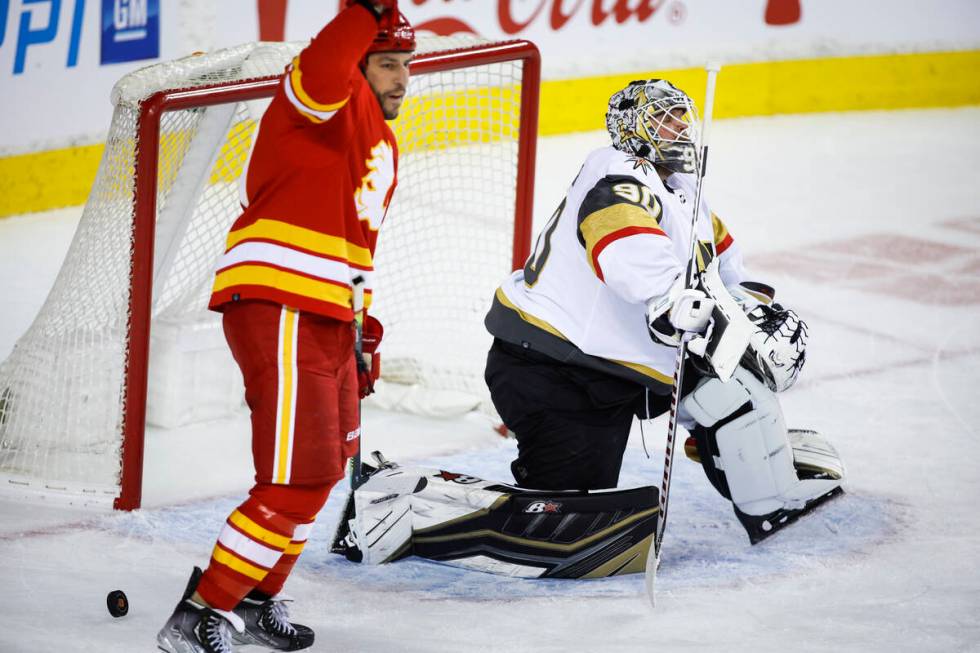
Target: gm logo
<point x="130" y="30"/>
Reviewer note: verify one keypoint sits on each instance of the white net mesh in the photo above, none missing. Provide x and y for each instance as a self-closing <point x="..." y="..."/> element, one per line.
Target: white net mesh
<point x="446" y="244"/>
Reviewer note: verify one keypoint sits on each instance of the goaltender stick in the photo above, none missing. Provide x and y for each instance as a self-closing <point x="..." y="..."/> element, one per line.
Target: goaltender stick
<point x="315" y="191"/>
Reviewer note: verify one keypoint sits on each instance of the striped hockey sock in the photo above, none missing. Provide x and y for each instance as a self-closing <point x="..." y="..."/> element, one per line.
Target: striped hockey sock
<point x="250" y="546"/>
<point x="276" y="578"/>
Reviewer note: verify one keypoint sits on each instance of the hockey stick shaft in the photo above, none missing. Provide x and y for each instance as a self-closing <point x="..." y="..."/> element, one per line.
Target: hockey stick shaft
<point x="357" y="301"/>
<point x="653" y="558"/>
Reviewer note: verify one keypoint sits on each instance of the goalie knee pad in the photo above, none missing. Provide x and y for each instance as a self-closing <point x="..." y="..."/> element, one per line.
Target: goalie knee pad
<point x="465" y="521"/>
<point x="748" y="456"/>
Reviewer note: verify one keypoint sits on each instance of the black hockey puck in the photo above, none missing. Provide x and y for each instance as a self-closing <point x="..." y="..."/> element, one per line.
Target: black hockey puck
<point x="117" y="603"/>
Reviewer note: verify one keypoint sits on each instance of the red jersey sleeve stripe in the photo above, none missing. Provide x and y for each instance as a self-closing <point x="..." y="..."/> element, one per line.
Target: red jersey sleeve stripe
<point x="608" y="239"/>
<point x="723" y="239"/>
<point x="724" y="244"/>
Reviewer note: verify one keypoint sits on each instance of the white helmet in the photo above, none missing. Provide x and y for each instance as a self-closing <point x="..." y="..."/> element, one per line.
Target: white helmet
<point x="637" y="114"/>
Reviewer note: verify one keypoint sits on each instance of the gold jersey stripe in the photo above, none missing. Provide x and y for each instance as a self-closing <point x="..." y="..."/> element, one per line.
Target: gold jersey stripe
<point x="544" y="326"/>
<point x="297" y="284"/>
<point x="258" y="533"/>
<point x="613" y="218"/>
<point x="294" y="548"/>
<point x="646" y="371"/>
<point x="527" y="317"/>
<point x="307" y="239"/>
<point x="719" y="228"/>
<point x="287" y="369"/>
<point x="234" y="562"/>
<point x="296" y="80"/>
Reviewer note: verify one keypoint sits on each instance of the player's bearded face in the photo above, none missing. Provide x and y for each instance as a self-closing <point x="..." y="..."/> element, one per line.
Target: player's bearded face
<point x="387" y="73"/>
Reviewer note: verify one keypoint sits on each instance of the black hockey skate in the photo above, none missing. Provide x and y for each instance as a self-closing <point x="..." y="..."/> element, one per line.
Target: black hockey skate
<point x="759" y="527"/>
<point x="267" y="624"/>
<point x="194" y="628"/>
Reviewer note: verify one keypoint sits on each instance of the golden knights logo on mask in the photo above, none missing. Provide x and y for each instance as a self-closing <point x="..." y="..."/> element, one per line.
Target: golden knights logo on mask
<point x="655" y="121"/>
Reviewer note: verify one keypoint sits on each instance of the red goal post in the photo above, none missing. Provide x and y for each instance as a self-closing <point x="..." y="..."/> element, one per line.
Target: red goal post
<point x="471" y="132"/>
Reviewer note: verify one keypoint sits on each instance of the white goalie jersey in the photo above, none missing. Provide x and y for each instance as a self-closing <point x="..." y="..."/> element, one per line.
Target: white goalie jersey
<point x="620" y="238"/>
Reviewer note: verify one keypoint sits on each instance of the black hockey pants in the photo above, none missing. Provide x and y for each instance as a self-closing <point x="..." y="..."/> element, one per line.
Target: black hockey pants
<point x="571" y="422"/>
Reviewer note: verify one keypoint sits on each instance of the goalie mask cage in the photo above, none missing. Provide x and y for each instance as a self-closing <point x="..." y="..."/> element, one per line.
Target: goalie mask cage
<point x="73" y="393"/>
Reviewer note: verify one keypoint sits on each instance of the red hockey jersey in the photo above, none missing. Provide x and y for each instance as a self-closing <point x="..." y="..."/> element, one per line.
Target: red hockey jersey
<point x="317" y="184"/>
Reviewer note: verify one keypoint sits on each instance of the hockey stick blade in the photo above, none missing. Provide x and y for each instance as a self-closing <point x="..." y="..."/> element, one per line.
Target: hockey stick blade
<point x="650" y="575"/>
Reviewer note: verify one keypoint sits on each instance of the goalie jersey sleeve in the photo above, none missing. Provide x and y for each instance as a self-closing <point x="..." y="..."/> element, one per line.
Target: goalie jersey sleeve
<point x="317" y="183"/>
<point x="620" y="238"/>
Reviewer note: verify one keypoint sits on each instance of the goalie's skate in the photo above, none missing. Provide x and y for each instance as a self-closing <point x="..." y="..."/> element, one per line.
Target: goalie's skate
<point x="267" y="624"/>
<point x="194" y="628"/>
<point x="759" y="527"/>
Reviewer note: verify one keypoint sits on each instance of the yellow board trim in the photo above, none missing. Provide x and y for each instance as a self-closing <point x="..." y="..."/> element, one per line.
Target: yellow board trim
<point x="313" y="241"/>
<point x="47" y="180"/>
<point x="57" y="178"/>
<point x="257" y="532"/>
<point x="865" y="83"/>
<point x="239" y="565"/>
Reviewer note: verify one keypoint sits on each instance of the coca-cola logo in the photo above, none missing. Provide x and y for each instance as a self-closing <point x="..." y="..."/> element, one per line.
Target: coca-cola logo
<point x="555" y="14"/>
<point x="514" y="17"/>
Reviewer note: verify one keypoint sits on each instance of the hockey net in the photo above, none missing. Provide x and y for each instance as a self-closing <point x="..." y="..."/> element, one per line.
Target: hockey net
<point x="81" y="383"/>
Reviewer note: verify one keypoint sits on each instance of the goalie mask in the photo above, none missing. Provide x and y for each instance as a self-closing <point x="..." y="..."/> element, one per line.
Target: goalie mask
<point x="656" y="121"/>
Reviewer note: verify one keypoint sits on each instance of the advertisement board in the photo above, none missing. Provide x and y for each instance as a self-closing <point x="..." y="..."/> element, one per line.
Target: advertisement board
<point x="60" y="58"/>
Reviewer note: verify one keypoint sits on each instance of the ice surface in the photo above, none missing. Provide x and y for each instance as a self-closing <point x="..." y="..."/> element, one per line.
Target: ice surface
<point x="868" y="224"/>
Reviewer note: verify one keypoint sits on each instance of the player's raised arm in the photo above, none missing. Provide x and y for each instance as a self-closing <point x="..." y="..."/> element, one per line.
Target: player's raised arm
<point x="318" y="81"/>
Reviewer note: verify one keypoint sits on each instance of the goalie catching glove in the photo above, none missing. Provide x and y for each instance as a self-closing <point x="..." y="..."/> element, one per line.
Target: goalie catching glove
<point x="777" y="347"/>
<point x="739" y="326"/>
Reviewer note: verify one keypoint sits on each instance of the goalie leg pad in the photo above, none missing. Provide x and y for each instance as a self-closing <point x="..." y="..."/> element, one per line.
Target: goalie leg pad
<point x="465" y="521"/>
<point x="549" y="534"/>
<point x="746" y="451"/>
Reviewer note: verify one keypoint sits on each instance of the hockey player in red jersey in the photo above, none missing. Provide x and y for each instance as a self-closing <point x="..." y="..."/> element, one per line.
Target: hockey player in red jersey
<point x="586" y="335"/>
<point x="315" y="191"/>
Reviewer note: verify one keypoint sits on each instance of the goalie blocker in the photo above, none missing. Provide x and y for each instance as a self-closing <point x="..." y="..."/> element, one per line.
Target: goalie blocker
<point x="468" y="522"/>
